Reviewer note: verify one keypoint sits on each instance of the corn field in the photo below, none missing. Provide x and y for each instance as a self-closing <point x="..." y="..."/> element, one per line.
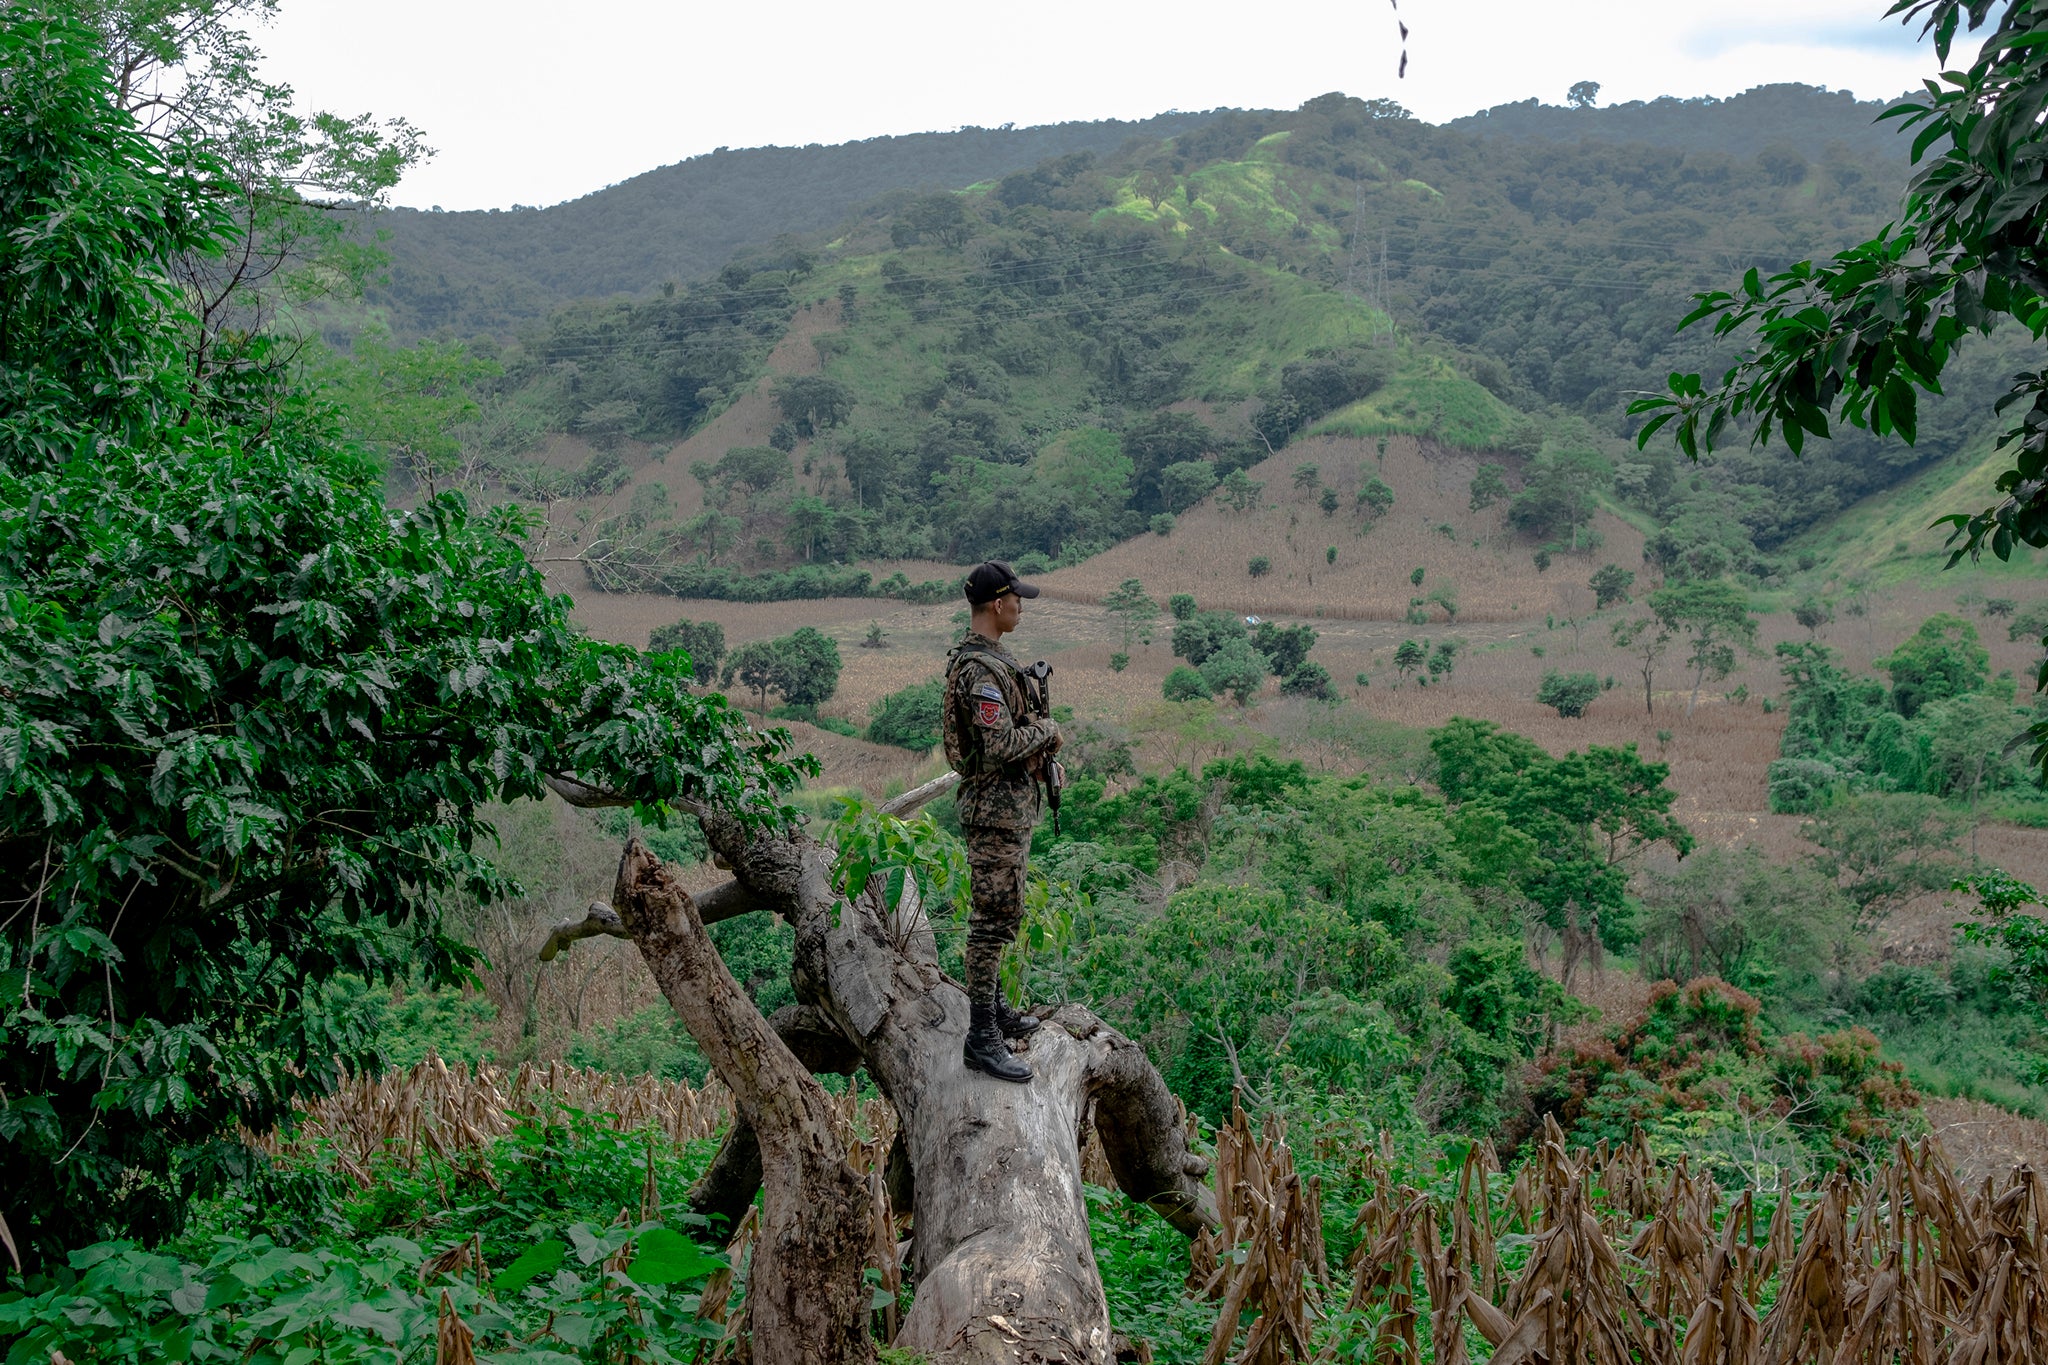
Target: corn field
<point x="1579" y="1257"/>
<point x="1611" y="1255"/>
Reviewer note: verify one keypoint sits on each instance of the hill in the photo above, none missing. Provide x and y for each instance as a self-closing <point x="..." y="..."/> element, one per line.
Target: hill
<point x="1804" y="119"/>
<point x="487" y="272"/>
<point x="1013" y="368"/>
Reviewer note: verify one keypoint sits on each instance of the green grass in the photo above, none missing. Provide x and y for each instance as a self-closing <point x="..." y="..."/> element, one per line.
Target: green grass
<point x="1866" y="538"/>
<point x="1426" y="398"/>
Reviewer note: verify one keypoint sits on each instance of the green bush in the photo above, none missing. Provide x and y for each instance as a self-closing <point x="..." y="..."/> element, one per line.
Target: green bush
<point x="1570" y="693"/>
<point x="1185" y="684"/>
<point x="910" y="718"/>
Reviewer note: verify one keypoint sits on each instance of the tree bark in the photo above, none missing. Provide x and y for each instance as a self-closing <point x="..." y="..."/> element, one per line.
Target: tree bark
<point x="1001" y="1255"/>
<point x="806" y="1300"/>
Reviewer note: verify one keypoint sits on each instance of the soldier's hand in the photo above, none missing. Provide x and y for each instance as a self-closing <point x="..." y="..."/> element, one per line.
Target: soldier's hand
<point x="1058" y="739"/>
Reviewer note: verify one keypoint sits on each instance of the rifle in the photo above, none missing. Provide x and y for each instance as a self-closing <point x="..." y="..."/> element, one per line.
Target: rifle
<point x="1037" y="680"/>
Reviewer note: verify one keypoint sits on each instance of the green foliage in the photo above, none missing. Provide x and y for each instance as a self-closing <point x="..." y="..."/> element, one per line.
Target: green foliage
<point x="1201" y="634"/>
<point x="1969" y="216"/>
<point x="803" y="666"/>
<point x="813" y="402"/>
<point x="910" y="718"/>
<point x="1714" y="614"/>
<point x="1409" y="656"/>
<point x="1183" y="683"/>
<point x="1570" y="693"/>
<point x="1489" y="486"/>
<point x="1259" y="566"/>
<point x="1375" y="497"/>
<point x="1310" y="680"/>
<point x="1610" y="584"/>
<point x="1572" y="827"/>
<point x="1181" y="606"/>
<point x="1236" y="668"/>
<point x="1942" y="659"/>
<point x="1768" y="929"/>
<point x="1702" y="1057"/>
<point x="295" y="700"/>
<point x="703" y="641"/>
<point x="1285" y="647"/>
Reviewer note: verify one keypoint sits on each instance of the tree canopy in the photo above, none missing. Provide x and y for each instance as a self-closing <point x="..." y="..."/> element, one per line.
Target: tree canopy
<point x="249" y="714"/>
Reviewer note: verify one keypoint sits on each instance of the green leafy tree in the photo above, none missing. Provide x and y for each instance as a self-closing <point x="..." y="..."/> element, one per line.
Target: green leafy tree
<point x="1375" y="497"/>
<point x="703" y="641"/>
<point x="910" y="718"/>
<point x="1570" y="693"/>
<point x="1131" y="606"/>
<point x="1645" y="638"/>
<point x="1307" y="476"/>
<point x="1588" y="819"/>
<point x="810" y="517"/>
<point x="1415" y="575"/>
<point x="1183" y="485"/>
<point x="1813" y="616"/>
<point x="1308" y="679"/>
<point x="758" y="666"/>
<point x="1610" y="584"/>
<point x="1885" y="849"/>
<point x="1557" y="498"/>
<point x="1181" y="605"/>
<point x="1235" y="668"/>
<point x="1198" y="636"/>
<point x="1714" y="615"/>
<point x="1240" y="492"/>
<point x="1489" y="486"/>
<point x="1285" y="647"/>
<point x="1942" y="659"/>
<point x="808" y="667"/>
<point x="254" y="716"/>
<point x="1259" y="566"/>
<point x="1409" y="657"/>
<point x="1443" y="660"/>
<point x="813" y="402"/>
<point x="1328" y="502"/>
<point x="1185" y="684"/>
<point x="406" y="401"/>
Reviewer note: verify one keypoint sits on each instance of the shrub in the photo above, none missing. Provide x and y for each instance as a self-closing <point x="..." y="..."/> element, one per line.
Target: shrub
<point x="1185" y="684"/>
<point x="1202" y="634"/>
<point x="1310" y="680"/>
<point x="909" y="719"/>
<point x="1119" y="661"/>
<point x="703" y="641"/>
<point x="1259" y="566"/>
<point x="1162" y="524"/>
<point x="1570" y="693"/>
<point x="1181" y="605"/>
<point x="1235" y="668"/>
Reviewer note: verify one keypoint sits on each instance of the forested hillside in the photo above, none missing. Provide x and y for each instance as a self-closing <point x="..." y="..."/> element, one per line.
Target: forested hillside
<point x="1054" y="341"/>
<point x="484" y="273"/>
<point x="1798" y="118"/>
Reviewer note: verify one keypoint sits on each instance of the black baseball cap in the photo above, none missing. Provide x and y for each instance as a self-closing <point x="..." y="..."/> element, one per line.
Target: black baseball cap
<point x="987" y="582"/>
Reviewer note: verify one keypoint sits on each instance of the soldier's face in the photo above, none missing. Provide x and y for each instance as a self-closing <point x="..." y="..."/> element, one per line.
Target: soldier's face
<point x="1008" y="608"/>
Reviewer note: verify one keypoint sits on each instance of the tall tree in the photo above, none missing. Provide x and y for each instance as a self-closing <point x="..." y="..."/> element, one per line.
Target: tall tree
<point x="253" y="716"/>
<point x="1714" y="615"/>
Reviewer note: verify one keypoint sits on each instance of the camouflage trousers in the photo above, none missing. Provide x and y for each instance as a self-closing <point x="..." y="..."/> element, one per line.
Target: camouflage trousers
<point x="995" y="866"/>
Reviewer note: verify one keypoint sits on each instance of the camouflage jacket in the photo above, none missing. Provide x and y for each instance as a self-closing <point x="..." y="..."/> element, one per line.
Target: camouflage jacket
<point x="991" y="737"/>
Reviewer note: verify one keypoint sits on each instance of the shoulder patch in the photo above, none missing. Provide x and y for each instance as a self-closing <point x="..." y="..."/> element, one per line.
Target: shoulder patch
<point x="989" y="690"/>
<point x="990" y="713"/>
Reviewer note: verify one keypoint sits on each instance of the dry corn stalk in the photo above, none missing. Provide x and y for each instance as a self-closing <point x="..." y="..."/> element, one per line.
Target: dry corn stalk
<point x="1268" y="1255"/>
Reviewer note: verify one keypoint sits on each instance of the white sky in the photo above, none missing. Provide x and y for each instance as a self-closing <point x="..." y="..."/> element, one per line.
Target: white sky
<point x="534" y="103"/>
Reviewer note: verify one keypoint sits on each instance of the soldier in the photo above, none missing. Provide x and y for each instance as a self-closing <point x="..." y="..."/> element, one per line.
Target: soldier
<point x="999" y="739"/>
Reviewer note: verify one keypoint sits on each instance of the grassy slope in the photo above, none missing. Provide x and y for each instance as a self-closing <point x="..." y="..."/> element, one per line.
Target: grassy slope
<point x="1890" y="537"/>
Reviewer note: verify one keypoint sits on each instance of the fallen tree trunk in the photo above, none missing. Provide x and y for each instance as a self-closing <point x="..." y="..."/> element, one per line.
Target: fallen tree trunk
<point x="1001" y="1256"/>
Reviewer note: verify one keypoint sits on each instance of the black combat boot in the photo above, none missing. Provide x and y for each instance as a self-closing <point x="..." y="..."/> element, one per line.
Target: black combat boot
<point x="984" y="1051"/>
<point x="1014" y="1023"/>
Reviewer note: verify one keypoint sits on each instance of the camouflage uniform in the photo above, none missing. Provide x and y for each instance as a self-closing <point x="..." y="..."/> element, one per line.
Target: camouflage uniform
<point x="991" y="741"/>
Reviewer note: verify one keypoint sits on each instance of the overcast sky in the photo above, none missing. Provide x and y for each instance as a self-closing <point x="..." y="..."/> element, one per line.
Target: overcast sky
<point x="534" y="103"/>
